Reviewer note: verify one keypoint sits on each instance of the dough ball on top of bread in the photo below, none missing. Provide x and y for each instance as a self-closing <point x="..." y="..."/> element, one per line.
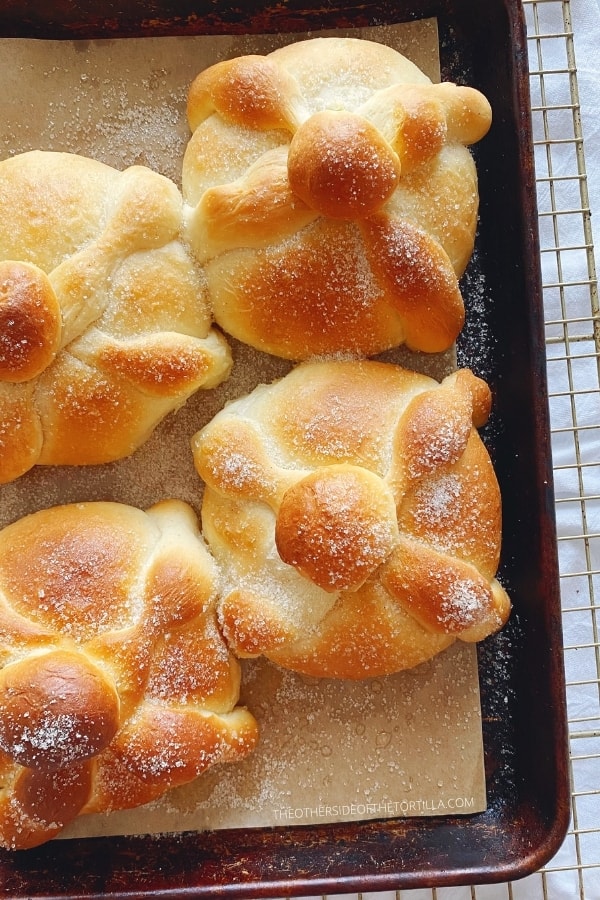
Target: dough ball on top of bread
<point x="104" y="321"/>
<point x="115" y="682"/>
<point x="355" y="514"/>
<point x="332" y="198"/>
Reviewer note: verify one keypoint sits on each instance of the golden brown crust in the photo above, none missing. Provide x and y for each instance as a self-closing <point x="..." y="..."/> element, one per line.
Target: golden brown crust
<point x="30" y="322"/>
<point x="115" y="681"/>
<point x="45" y="699"/>
<point x="333" y="200"/>
<point x="367" y="635"/>
<point x="41" y="801"/>
<point x="243" y="89"/>
<point x="104" y="322"/>
<point x="336" y="526"/>
<point x="443" y="594"/>
<point x="21" y="434"/>
<point x="341" y="166"/>
<point x="356" y="516"/>
<point x="414" y="271"/>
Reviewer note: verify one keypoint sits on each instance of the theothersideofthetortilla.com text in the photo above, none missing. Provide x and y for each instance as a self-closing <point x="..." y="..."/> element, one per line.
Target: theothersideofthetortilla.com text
<point x="383" y="808"/>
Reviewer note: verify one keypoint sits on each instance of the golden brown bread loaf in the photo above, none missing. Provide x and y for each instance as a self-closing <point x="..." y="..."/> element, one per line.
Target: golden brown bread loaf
<point x="332" y="198"/>
<point x="115" y="682"/>
<point x="104" y="322"/>
<point x="355" y="514"/>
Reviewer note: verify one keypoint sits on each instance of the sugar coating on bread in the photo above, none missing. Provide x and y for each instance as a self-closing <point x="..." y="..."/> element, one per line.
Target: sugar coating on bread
<point x="115" y="682"/>
<point x="332" y="198"/>
<point x="356" y="516"/>
<point x="104" y="321"/>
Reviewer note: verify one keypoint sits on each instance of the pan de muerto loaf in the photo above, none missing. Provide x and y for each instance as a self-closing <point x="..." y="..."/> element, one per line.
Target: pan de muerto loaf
<point x="104" y="322"/>
<point x="355" y="514"/>
<point x="333" y="199"/>
<point x="115" y="682"/>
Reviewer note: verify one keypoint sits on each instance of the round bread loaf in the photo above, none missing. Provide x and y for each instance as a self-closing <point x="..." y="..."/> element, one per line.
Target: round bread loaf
<point x="332" y="198"/>
<point x="104" y="321"/>
<point x="115" y="682"/>
<point x="354" y="511"/>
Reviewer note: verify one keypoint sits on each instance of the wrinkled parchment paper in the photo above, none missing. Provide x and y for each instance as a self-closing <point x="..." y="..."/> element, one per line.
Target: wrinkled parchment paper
<point x="404" y="745"/>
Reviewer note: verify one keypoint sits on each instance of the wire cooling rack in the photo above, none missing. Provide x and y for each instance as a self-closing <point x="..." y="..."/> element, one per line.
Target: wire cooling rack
<point x="573" y="353"/>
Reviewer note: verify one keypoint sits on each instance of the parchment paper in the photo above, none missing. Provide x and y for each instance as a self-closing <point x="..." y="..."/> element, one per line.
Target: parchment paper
<point x="405" y="745"/>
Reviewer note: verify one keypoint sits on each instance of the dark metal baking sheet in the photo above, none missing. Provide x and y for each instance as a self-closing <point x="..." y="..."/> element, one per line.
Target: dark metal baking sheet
<point x="521" y="672"/>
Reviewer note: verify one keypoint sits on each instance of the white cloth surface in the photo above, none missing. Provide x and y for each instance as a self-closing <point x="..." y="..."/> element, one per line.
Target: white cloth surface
<point x="586" y="29"/>
<point x="577" y="597"/>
